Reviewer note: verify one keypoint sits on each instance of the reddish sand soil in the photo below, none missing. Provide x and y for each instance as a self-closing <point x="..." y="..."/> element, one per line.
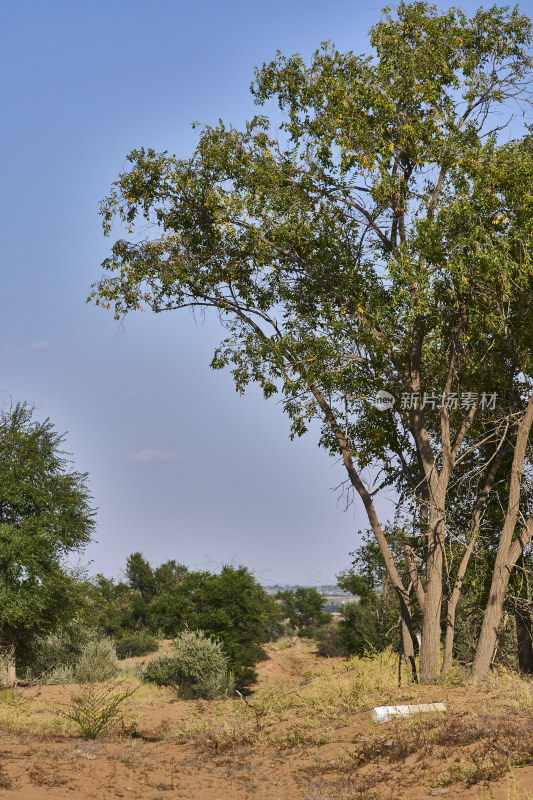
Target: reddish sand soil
<point x="148" y="766"/>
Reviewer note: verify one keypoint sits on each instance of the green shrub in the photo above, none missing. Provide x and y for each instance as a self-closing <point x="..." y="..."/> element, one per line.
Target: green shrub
<point x="198" y="668"/>
<point x="163" y="671"/>
<point x="303" y="608"/>
<point x="330" y="641"/>
<point x="96" y="708"/>
<point x="98" y="662"/>
<point x="136" y="644"/>
<point x="61" y="674"/>
<point x="371" y="626"/>
<point x="52" y="658"/>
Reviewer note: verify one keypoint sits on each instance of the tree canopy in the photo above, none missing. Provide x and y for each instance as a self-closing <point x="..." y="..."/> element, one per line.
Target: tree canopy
<point x="45" y="514"/>
<point x="303" y="607"/>
<point x="377" y="239"/>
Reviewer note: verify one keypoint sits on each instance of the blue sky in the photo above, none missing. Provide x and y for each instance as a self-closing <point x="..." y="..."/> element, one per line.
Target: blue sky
<point x="180" y="466"/>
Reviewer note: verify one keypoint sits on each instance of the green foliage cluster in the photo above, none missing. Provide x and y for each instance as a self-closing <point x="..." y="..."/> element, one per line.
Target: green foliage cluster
<point x="198" y="668"/>
<point x="302" y="607"/>
<point x="69" y="656"/>
<point x="372" y="624"/>
<point x="129" y="606"/>
<point x="45" y="514"/>
<point x="54" y="656"/>
<point x="230" y="606"/>
<point x="98" y="662"/>
<point x="138" y="643"/>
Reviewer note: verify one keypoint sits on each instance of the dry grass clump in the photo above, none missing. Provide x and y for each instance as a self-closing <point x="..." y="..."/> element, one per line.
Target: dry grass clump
<point x="221" y="734"/>
<point x="465" y="748"/>
<point x="489" y="744"/>
<point x="511" y="690"/>
<point x="348" y="687"/>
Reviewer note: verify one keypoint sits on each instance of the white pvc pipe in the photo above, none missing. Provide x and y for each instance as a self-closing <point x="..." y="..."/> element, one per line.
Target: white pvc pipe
<point x="385" y="713"/>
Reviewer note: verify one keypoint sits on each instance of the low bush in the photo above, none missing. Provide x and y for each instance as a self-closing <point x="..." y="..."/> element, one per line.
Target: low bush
<point x="163" y="671"/>
<point x="136" y="644"/>
<point x="330" y="641"/>
<point x="198" y="668"/>
<point x="53" y="658"/>
<point x="370" y="627"/>
<point x="98" y="662"/>
<point x="97" y="708"/>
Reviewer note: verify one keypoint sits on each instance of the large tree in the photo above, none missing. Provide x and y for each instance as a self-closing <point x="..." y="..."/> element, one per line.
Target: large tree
<point x="45" y="514"/>
<point x="378" y="239"/>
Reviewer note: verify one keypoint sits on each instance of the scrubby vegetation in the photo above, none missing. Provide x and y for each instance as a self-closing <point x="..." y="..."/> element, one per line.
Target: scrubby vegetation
<point x="96" y="708"/>
<point x="98" y="662"/>
<point x="134" y="644"/>
<point x="197" y="668"/>
<point x="303" y="610"/>
<point x="230" y="606"/>
<point x="125" y="619"/>
<point x="307" y="727"/>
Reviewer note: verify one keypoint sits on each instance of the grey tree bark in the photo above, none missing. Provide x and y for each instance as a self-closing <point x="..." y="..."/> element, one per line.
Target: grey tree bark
<point x="509" y="551"/>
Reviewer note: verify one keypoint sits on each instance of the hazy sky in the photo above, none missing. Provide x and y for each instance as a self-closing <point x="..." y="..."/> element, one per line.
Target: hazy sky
<point x="180" y="465"/>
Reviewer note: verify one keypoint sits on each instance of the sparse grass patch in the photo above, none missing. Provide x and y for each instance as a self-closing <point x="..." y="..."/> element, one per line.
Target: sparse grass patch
<point x="220" y="735"/>
<point x="514" y="691"/>
<point x="307" y="722"/>
<point x="40" y="777"/>
<point x="26" y="716"/>
<point x="11" y="697"/>
<point x="308" y="714"/>
<point x="474" y="749"/>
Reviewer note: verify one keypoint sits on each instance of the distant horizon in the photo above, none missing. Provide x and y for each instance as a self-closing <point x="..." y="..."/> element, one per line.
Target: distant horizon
<point x="120" y="575"/>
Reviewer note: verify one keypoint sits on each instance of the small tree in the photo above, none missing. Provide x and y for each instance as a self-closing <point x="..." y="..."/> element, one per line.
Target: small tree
<point x="303" y="608"/>
<point x="110" y="606"/>
<point x="44" y="515"/>
<point x="141" y="576"/>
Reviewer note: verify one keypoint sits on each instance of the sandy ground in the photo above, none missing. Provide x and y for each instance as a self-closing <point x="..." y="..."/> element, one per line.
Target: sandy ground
<point x="142" y="763"/>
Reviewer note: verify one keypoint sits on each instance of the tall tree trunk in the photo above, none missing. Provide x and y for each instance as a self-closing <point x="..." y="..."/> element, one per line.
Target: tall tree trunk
<point x="523" y="635"/>
<point x="463" y="564"/>
<point x="522" y="613"/>
<point x="431" y="630"/>
<point x="450" y="633"/>
<point x="8" y="676"/>
<point x="508" y="553"/>
<point x="491" y="619"/>
<point x="408" y="647"/>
